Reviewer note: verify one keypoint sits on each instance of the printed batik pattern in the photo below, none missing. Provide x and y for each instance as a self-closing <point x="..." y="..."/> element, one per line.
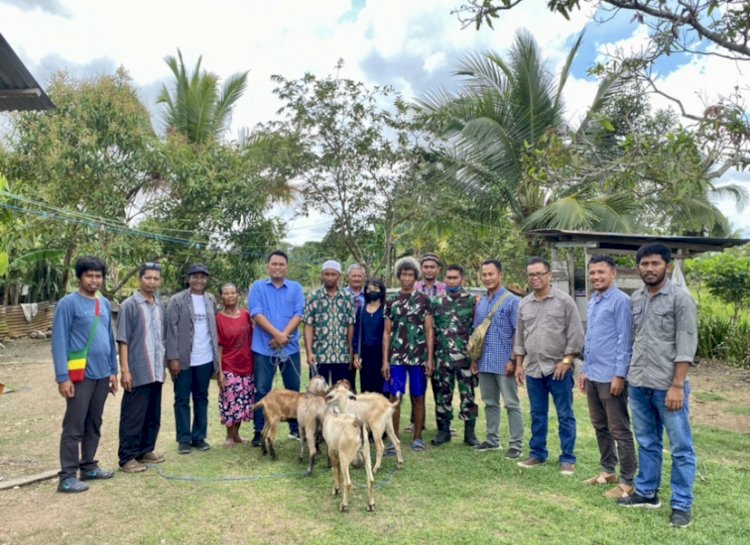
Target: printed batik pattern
<point x="330" y="318"/>
<point x="237" y="399"/>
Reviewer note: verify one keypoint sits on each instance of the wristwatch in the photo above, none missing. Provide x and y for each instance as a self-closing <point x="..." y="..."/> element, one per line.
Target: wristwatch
<point x="567" y="360"/>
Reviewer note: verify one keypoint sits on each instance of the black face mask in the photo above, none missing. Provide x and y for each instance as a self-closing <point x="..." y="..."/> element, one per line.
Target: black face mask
<point x="371" y="296"/>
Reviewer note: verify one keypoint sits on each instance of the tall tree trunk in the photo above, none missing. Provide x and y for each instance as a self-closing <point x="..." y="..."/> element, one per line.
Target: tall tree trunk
<point x="66" y="265"/>
<point x="388" y="253"/>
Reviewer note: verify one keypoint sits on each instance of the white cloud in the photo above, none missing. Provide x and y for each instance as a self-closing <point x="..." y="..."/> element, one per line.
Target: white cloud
<point x="408" y="44"/>
<point x="434" y="60"/>
<point x="634" y="44"/>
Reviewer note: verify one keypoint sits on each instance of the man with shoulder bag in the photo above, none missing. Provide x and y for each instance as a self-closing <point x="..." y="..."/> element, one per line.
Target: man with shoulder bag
<point x="84" y="354"/>
<point x="492" y="358"/>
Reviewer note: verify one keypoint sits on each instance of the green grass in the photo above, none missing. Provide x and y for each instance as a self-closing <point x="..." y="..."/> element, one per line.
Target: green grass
<point x="708" y="396"/>
<point x="448" y="495"/>
<point x="743" y="410"/>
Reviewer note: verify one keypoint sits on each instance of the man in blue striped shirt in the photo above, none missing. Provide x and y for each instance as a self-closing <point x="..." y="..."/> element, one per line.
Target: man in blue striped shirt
<point x="607" y="353"/>
<point x="496" y="367"/>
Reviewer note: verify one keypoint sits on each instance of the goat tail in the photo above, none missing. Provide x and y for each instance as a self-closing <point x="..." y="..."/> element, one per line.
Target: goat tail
<point x="396" y="403"/>
<point x="259" y="405"/>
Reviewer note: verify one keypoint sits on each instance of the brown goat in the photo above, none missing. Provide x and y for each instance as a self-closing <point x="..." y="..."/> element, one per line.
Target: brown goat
<point x="281" y="405"/>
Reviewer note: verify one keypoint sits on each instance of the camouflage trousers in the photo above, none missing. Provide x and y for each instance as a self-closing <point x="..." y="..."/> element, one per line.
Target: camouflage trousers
<point x="443" y="380"/>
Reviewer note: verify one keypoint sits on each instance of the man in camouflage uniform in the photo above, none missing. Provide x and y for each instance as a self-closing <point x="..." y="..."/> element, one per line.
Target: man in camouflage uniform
<point x="329" y="327"/>
<point x="408" y="346"/>
<point x="453" y="316"/>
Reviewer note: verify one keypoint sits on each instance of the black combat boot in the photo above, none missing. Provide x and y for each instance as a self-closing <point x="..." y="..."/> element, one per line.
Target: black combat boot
<point x="470" y="437"/>
<point x="444" y="433"/>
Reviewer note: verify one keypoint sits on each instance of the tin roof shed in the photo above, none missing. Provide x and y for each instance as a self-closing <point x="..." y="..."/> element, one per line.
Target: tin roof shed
<point x="18" y="88"/>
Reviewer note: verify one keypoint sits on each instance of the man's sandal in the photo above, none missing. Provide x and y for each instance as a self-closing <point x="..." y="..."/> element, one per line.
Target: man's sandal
<point x="601" y="479"/>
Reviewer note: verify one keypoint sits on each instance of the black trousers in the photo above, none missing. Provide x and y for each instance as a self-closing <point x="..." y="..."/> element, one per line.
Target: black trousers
<point x="140" y="420"/>
<point x="334" y="372"/>
<point x="81" y="428"/>
<point x="611" y="421"/>
<point x="193" y="381"/>
<point x="370" y="376"/>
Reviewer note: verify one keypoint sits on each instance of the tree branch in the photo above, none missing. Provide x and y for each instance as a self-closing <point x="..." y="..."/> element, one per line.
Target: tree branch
<point x="691" y="19"/>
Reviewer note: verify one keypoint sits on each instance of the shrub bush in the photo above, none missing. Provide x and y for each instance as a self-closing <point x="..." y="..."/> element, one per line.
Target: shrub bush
<point x="736" y="348"/>
<point x="712" y="334"/>
<point x="720" y="339"/>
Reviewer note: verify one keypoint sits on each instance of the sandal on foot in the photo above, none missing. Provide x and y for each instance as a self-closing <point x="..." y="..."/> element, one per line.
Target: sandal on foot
<point x="601" y="479"/>
<point x="620" y="491"/>
<point x="390" y="450"/>
<point x="418" y="446"/>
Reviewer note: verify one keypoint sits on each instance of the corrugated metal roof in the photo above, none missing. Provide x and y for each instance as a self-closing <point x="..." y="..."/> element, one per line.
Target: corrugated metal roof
<point x="631" y="242"/>
<point x="18" y="88"/>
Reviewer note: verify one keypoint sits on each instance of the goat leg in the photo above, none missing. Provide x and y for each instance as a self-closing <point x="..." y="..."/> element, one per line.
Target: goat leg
<point x="369" y="470"/>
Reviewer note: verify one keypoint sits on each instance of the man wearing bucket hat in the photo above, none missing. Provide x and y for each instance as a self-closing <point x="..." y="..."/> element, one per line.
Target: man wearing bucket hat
<point x="329" y="326"/>
<point x="191" y="355"/>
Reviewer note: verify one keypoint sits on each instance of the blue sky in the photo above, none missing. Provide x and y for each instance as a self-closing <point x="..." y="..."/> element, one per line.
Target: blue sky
<point x="412" y="45"/>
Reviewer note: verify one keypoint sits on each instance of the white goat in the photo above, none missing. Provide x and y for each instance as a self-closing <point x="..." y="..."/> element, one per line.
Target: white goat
<point x="310" y="412"/>
<point x="377" y="413"/>
<point x="346" y="437"/>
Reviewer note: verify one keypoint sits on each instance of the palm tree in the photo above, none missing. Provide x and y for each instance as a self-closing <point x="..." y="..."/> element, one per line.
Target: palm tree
<point x="508" y="148"/>
<point x="195" y="107"/>
<point x="505" y="113"/>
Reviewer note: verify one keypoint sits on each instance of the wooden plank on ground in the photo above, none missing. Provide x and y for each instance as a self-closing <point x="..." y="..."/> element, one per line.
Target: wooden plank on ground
<point x="28" y="479"/>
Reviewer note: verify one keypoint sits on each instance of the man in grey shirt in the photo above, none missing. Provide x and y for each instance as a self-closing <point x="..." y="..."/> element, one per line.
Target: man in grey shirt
<point x="140" y="336"/>
<point x="549" y="336"/>
<point x="664" y="344"/>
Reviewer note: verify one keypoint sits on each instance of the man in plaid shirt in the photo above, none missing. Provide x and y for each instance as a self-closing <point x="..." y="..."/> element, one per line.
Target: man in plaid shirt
<point x="496" y="367"/>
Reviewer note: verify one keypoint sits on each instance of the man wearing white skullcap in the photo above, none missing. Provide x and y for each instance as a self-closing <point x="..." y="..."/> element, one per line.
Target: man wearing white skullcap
<point x="329" y="326"/>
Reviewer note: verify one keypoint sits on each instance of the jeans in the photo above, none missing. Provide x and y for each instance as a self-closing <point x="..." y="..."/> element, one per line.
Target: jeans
<point x="265" y="370"/>
<point x="140" y="420"/>
<point x="562" y="394"/>
<point x="650" y="417"/>
<point x="492" y="386"/>
<point x="192" y="381"/>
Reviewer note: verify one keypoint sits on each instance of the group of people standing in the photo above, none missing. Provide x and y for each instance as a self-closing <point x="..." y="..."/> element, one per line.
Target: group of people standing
<point x="636" y="348"/>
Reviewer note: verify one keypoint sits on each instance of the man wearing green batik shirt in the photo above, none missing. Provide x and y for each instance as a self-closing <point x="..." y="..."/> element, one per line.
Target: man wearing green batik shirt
<point x="329" y="325"/>
<point x="453" y="317"/>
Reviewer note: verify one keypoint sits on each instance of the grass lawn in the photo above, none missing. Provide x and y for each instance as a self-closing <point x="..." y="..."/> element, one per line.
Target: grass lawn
<point x="450" y="495"/>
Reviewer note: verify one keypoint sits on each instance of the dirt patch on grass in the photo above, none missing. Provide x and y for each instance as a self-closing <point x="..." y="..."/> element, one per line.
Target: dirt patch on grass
<point x="140" y="508"/>
<point x="720" y="397"/>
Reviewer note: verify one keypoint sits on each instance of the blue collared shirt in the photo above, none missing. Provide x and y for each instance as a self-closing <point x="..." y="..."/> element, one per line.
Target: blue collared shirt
<point x="609" y="336"/>
<point x="498" y="343"/>
<point x="278" y="306"/>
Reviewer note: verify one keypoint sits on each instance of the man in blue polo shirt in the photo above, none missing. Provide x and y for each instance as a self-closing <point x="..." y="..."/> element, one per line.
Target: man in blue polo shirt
<point x="277" y="306"/>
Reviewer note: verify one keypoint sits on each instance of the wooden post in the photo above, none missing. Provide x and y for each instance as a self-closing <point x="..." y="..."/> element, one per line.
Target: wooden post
<point x="572" y="272"/>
